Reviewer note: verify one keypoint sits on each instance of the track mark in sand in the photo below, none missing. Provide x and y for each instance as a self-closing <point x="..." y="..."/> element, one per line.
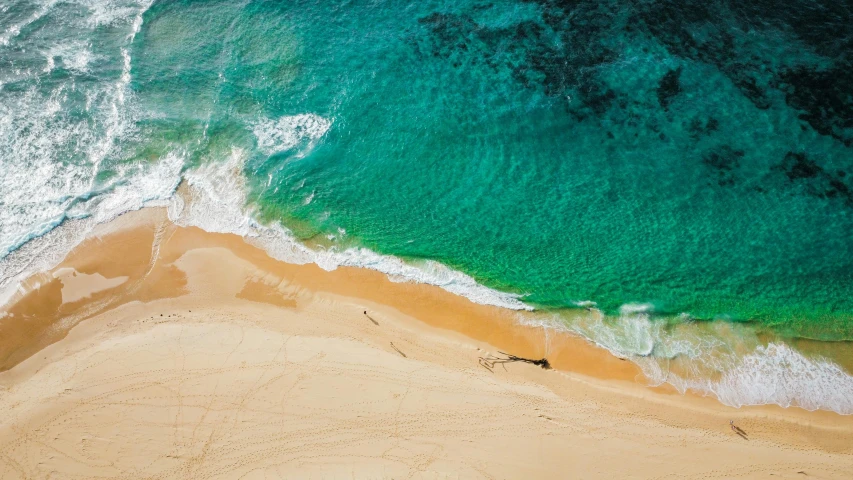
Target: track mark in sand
<point x="206" y="400"/>
<point x="398" y="350"/>
<point x="14" y="465"/>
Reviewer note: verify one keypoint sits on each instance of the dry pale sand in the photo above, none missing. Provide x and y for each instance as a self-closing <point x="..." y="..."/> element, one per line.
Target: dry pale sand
<point x="161" y="352"/>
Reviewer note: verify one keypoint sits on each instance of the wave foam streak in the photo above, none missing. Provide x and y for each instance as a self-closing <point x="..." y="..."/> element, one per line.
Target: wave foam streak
<point x="778" y="374"/>
<point x="275" y="136"/>
<point x="216" y="201"/>
<point x="55" y="134"/>
<point x="718" y="358"/>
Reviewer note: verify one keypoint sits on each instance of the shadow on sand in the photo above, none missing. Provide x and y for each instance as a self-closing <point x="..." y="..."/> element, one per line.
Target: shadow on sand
<point x="488" y="362"/>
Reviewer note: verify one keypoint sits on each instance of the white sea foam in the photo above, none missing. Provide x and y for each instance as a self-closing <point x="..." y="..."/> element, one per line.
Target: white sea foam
<point x="217" y="198"/>
<point x="778" y="374"/>
<point x="13" y="31"/>
<point x="630" y="308"/>
<point x="691" y="356"/>
<point x="145" y="185"/>
<point x="40" y="254"/>
<point x="217" y="203"/>
<point x="285" y="133"/>
<point x="75" y="56"/>
<point x="51" y="158"/>
<point x="36" y="189"/>
<point x="112" y="12"/>
<point x="585" y="303"/>
<point x="280" y="244"/>
<point x="770" y="374"/>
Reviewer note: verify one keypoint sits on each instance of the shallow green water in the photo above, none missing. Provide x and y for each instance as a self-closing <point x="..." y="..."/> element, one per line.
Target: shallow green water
<point x="551" y="160"/>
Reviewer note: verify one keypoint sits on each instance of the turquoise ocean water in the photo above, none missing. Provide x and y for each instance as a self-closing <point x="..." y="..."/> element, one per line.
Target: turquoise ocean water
<point x="685" y="167"/>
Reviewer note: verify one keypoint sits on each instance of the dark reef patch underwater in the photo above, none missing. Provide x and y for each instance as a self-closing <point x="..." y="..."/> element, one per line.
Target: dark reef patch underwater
<point x="686" y="154"/>
<point x="685" y="166"/>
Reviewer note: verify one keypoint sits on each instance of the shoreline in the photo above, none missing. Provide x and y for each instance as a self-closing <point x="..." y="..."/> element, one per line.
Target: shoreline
<point x="120" y="276"/>
<point x="124" y="250"/>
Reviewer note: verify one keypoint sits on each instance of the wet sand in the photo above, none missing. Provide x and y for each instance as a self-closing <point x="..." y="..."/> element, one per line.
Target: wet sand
<point x="160" y="352"/>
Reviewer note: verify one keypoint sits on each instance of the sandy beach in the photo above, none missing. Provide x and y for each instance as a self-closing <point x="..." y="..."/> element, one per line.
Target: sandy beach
<point x="156" y="351"/>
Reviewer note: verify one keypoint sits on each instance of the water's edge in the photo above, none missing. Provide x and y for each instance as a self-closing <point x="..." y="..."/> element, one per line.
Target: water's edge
<point x="723" y="359"/>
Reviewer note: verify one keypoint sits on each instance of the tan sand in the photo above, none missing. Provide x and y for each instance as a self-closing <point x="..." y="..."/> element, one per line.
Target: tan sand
<point x="198" y="356"/>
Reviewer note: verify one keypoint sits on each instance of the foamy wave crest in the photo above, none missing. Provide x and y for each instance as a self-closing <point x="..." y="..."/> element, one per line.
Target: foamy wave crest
<point x="36" y="190"/>
<point x="216" y="202"/>
<point x="585" y="304"/>
<point x="12" y="31"/>
<point x="720" y="358"/>
<point x="778" y="374"/>
<point x="142" y="185"/>
<point x="217" y="198"/>
<point x="275" y="136"/>
<point x="52" y="156"/>
<point x="630" y="308"/>
<point x="39" y="255"/>
<point x="429" y="272"/>
<point x="111" y="12"/>
<point x="75" y="56"/>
